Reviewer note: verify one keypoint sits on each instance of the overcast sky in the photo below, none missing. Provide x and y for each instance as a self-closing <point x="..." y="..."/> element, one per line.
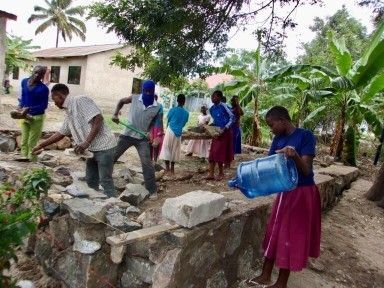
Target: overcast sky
<point x="96" y="35"/>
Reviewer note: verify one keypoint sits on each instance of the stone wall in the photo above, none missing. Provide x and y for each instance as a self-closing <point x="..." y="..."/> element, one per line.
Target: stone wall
<point x="77" y="246"/>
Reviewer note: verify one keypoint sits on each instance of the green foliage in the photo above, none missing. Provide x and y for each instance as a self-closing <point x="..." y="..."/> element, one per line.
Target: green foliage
<point x="19" y="209"/>
<point x="60" y="14"/>
<point x="342" y="25"/>
<point x="350" y="147"/>
<point x="18" y="53"/>
<point x="182" y="38"/>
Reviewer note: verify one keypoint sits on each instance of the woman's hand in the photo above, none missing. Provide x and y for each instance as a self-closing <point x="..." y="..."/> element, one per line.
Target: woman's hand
<point x="289" y="151"/>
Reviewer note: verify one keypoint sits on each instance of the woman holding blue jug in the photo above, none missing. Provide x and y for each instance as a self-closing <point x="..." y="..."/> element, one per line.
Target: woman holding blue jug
<point x="294" y="227"/>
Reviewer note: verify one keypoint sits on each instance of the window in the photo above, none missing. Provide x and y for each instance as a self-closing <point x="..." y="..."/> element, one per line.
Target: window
<point x="15" y="73"/>
<point x="55" y="74"/>
<point x="74" y="73"/>
<point x="136" y="85"/>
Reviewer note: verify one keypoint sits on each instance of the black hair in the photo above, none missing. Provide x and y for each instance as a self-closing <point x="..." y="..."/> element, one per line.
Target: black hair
<point x="181" y="99"/>
<point x="224" y="99"/>
<point x="62" y="88"/>
<point x="218" y="93"/>
<point x="278" y="112"/>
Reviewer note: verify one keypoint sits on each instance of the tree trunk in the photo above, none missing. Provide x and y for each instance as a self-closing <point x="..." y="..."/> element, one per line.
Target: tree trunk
<point x="57" y="37"/>
<point x="337" y="141"/>
<point x="376" y="192"/>
<point x="256" y="133"/>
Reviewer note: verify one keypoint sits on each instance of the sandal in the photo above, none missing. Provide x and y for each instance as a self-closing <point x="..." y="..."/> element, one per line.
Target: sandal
<point x="252" y="283"/>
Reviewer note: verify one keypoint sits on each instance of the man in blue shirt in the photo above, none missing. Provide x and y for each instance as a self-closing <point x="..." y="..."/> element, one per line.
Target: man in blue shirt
<point x="33" y="101"/>
<point x="177" y="118"/>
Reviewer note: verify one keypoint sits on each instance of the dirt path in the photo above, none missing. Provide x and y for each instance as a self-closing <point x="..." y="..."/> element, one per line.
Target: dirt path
<point x="352" y="250"/>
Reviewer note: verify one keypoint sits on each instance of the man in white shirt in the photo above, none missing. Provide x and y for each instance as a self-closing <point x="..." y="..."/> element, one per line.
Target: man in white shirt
<point x="84" y="121"/>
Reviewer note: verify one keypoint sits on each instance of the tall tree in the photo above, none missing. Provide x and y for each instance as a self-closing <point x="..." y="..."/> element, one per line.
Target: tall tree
<point x="342" y="25"/>
<point x="175" y="38"/>
<point x="378" y="9"/>
<point x="62" y="15"/>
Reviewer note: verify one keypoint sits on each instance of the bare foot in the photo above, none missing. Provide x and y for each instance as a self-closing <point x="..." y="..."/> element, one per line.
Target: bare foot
<point x="261" y="280"/>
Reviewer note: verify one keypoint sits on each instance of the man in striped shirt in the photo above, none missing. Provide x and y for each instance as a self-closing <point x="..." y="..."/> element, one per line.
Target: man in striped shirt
<point x="84" y="121"/>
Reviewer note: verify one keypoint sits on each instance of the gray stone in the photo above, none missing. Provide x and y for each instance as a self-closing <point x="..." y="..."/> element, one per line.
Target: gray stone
<point x="141" y="268"/>
<point x="85" y="210"/>
<point x="84" y="246"/>
<point x="134" y="194"/>
<point x="164" y="274"/>
<point x="7" y="144"/>
<point x="135" y="170"/>
<point x="234" y="238"/>
<point x="62" y="170"/>
<point x="63" y="181"/>
<point x="121" y="222"/>
<point x="217" y="281"/>
<point x="25" y="284"/>
<point x="117" y="253"/>
<point x="61" y="232"/>
<point x="78" y="175"/>
<point x="43" y="249"/>
<point x="140" y="249"/>
<point x="244" y="266"/>
<point x="50" y="207"/>
<point x="75" y="191"/>
<point x="64" y="143"/>
<point x="120" y="184"/>
<point x="133" y="210"/>
<point x="124" y="173"/>
<point x="3" y="175"/>
<point x="203" y="258"/>
<point x="129" y="280"/>
<point x="45" y="156"/>
<point x="151" y="217"/>
<point x="194" y="208"/>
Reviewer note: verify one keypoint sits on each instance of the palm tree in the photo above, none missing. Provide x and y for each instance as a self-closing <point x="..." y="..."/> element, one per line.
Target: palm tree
<point x="60" y="14"/>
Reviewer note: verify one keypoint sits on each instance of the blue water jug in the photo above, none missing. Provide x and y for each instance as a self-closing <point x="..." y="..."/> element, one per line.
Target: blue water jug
<point x="265" y="176"/>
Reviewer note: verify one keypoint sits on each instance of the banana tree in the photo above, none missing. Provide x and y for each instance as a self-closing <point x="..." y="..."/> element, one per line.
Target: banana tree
<point x="356" y="86"/>
<point x="249" y="83"/>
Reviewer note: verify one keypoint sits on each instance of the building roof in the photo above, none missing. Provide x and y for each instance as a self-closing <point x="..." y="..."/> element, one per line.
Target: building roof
<point x="216" y="79"/>
<point x="62" y="52"/>
<point x="7" y="15"/>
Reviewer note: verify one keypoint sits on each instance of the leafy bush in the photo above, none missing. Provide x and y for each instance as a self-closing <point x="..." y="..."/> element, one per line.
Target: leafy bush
<point x="19" y="211"/>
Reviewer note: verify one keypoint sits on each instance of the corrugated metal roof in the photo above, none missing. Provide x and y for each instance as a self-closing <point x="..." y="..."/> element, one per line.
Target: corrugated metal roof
<point x="61" y="52"/>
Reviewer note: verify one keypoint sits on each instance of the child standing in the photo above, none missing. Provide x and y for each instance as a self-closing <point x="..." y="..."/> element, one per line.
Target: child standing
<point x="177" y="118"/>
<point x="200" y="147"/>
<point x="236" y="130"/>
<point x="221" y="147"/>
<point x="157" y="133"/>
<point x="294" y="227"/>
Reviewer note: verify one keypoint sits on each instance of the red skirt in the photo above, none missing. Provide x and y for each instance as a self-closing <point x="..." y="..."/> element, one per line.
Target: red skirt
<point x="222" y="148"/>
<point x="294" y="228"/>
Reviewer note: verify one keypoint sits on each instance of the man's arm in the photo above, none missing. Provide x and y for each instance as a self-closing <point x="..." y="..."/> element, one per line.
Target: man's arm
<point x="53" y="139"/>
<point x="96" y="124"/>
<point x="120" y="104"/>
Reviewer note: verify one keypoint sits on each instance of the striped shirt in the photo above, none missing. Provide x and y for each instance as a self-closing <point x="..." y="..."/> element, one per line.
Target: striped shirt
<point x="80" y="111"/>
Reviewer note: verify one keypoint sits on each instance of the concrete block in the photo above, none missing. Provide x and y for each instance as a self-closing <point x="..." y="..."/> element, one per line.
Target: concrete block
<point x="194" y="208"/>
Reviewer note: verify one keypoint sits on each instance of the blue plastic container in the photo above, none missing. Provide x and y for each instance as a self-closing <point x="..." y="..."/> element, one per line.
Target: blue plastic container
<point x="265" y="176"/>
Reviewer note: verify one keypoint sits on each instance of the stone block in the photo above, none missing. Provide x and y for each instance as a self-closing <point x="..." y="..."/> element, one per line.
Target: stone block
<point x="164" y="274"/>
<point x="194" y="208"/>
<point x="61" y="232"/>
<point x="151" y="217"/>
<point x="235" y="236"/>
<point x="117" y="253"/>
<point x="7" y="144"/>
<point x="141" y="268"/>
<point x="129" y="280"/>
<point x="134" y="194"/>
<point x="121" y="222"/>
<point x="347" y="173"/>
<point x="218" y="280"/>
<point x="85" y="210"/>
<point x="84" y="246"/>
<point x="245" y="263"/>
<point x="203" y="257"/>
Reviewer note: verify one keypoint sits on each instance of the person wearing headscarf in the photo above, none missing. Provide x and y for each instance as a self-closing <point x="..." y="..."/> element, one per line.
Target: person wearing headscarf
<point x="143" y="112"/>
<point x="33" y="102"/>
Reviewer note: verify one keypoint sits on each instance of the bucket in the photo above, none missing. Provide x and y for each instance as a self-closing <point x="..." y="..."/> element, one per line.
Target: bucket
<point x="265" y="176"/>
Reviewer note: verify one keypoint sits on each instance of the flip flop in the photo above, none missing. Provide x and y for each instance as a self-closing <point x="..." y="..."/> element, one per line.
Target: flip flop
<point x="251" y="283"/>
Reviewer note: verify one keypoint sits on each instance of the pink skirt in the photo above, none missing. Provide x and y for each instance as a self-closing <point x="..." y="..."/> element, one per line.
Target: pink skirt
<point x="294" y="228"/>
<point x="222" y="148"/>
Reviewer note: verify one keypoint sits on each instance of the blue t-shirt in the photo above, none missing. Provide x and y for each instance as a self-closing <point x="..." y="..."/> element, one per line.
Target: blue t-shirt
<point x="221" y="115"/>
<point x="305" y="144"/>
<point x="177" y="118"/>
<point x="36" y="98"/>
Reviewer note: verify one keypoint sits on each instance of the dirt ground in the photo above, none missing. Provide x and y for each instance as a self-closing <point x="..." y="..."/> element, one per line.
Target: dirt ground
<point x="352" y="232"/>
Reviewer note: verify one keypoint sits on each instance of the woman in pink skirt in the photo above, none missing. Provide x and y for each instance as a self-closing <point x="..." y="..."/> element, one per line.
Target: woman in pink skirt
<point x="294" y="227"/>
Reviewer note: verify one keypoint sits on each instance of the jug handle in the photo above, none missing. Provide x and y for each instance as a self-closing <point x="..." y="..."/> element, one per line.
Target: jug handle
<point x="232" y="183"/>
